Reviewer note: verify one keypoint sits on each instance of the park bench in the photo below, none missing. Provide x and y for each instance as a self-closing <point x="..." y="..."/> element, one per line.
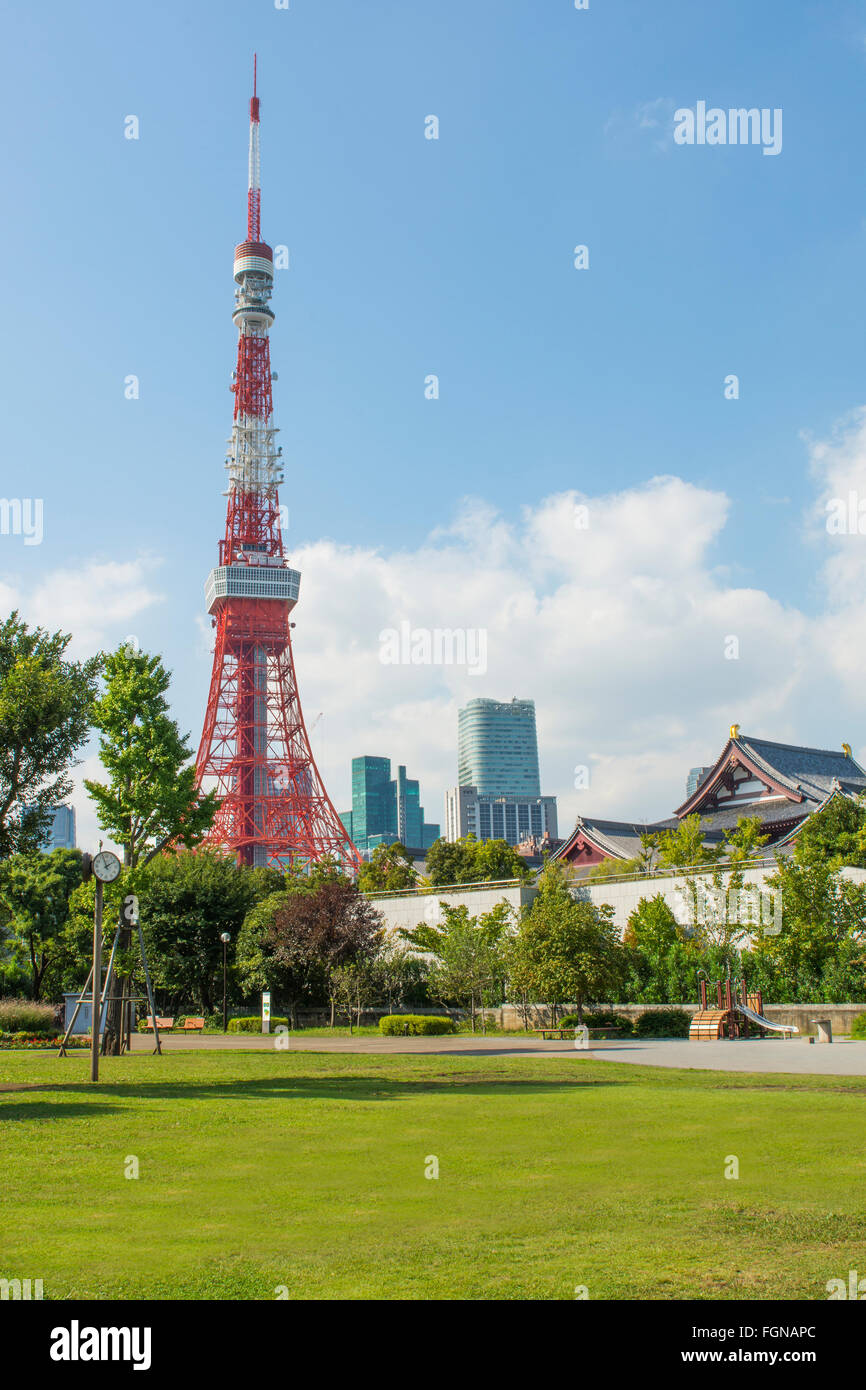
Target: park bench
<point x="603" y="1032"/>
<point x="164" y="1024"/>
<point x="191" y="1025"/>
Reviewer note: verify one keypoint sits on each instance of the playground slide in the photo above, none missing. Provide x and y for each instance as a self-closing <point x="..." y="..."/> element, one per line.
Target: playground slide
<point x="765" y="1022"/>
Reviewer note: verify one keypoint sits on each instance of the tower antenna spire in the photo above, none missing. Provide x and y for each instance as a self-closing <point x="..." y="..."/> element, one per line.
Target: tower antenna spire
<point x="254" y="189"/>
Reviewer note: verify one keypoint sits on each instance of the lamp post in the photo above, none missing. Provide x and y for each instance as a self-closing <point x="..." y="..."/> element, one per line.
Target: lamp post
<point x="225" y="938"/>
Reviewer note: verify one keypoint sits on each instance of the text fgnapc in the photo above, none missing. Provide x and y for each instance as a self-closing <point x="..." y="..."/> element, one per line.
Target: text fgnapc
<point x="76" y="1343"/>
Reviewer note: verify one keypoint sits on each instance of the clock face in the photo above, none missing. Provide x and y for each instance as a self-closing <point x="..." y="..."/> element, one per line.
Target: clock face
<point x="106" y="866"/>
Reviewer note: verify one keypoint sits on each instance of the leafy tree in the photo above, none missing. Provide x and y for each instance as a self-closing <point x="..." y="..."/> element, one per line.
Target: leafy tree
<point x="683" y="847"/>
<point x="474" y="861"/>
<point x="151" y="798"/>
<point x="34" y="903"/>
<point x="468" y="955"/>
<point x="186" y="902"/>
<point x="312" y="933"/>
<point x="45" y="707"/>
<point x="354" y="987"/>
<point x="822" y="935"/>
<point x="389" y="870"/>
<point x="652" y="926"/>
<point x="835" y="835"/>
<point x="565" y="950"/>
<point x="401" y="976"/>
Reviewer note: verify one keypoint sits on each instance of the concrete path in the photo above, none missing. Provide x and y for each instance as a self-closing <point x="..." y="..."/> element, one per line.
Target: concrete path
<point x="793" y="1055"/>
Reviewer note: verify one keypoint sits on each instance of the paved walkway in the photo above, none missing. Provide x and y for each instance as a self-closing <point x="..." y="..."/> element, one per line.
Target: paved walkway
<point x="793" y="1055"/>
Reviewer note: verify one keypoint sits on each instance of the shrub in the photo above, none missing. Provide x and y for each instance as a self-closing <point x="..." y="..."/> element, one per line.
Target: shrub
<point x="22" y="1015"/>
<point x="253" y="1024"/>
<point x="422" y="1025"/>
<point x="663" y="1023"/>
<point x="858" y="1026"/>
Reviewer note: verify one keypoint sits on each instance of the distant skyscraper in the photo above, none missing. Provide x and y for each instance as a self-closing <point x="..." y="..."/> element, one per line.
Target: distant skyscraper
<point x="695" y="778"/>
<point x="510" y="818"/>
<point x="61" y="831"/>
<point x="499" y="792"/>
<point x="497" y="748"/>
<point x="385" y="809"/>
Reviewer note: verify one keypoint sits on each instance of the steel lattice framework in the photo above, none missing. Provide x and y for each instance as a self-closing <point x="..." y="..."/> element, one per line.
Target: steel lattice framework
<point x="254" y="747"/>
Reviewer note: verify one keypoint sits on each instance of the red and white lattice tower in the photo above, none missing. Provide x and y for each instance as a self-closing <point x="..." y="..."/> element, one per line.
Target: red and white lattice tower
<point x="254" y="747"/>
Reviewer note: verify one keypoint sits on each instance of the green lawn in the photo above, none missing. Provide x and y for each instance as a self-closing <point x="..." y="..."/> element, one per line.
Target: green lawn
<point x="307" y="1170"/>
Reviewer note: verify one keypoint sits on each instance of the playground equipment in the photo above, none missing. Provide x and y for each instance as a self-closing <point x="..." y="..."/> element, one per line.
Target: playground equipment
<point x="735" y="1009"/>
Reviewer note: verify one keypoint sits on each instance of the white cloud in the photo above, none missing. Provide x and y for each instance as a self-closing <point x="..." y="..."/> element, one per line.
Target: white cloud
<point x="617" y="631"/>
<point x="616" y="626"/>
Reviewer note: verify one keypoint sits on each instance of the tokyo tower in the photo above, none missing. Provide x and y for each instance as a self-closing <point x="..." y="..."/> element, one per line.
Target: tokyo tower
<point x="254" y="747"/>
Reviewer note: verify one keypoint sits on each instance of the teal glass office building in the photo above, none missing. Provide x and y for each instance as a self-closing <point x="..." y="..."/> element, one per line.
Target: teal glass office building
<point x="497" y="748"/>
<point x="386" y="808"/>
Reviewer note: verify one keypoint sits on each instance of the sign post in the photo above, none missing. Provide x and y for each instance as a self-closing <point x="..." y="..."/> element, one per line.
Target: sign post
<point x="266" y="1011"/>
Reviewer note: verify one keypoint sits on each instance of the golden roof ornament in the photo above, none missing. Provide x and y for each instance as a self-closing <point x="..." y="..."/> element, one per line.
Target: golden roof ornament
<point x="846" y="749"/>
<point x="735" y="731"/>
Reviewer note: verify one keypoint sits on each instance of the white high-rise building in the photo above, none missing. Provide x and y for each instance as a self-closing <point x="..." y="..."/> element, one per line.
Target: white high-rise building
<point x="490" y="817"/>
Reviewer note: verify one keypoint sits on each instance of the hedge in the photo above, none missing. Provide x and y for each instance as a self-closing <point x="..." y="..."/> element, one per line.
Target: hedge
<point x="858" y="1026"/>
<point x="405" y="1025"/>
<point x="25" y="1016"/>
<point x="663" y="1023"/>
<point x="253" y="1024"/>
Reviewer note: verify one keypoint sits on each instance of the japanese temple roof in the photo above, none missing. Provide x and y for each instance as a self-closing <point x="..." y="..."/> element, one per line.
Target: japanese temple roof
<point x="797" y="774"/>
<point x="800" y="781"/>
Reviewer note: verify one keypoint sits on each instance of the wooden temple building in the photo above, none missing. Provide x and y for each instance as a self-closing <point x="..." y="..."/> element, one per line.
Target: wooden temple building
<point x="779" y="782"/>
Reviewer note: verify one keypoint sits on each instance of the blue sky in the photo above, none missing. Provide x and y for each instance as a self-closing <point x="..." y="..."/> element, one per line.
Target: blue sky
<point x="454" y="257"/>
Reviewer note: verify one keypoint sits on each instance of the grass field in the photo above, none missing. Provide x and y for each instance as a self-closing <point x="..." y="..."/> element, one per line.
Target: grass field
<point x="260" y="1170"/>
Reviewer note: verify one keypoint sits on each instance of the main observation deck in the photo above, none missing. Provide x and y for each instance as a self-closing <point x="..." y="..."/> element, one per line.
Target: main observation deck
<point x="252" y="581"/>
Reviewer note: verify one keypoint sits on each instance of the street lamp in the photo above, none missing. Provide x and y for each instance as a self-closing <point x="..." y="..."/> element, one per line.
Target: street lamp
<point x="225" y="938"/>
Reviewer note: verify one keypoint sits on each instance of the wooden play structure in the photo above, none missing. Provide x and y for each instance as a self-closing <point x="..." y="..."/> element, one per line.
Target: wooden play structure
<point x="734" y="1010"/>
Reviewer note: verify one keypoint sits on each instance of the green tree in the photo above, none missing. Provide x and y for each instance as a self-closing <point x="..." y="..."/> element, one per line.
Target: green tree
<point x="822" y="932"/>
<point x="151" y="798"/>
<point x="34" y="904"/>
<point x="389" y="870"/>
<point x="45" y="708"/>
<point x="468" y="964"/>
<point x="186" y="901"/>
<point x="565" y="951"/>
<point x="835" y="835"/>
<point x="310" y="934"/>
<point x="474" y="861"/>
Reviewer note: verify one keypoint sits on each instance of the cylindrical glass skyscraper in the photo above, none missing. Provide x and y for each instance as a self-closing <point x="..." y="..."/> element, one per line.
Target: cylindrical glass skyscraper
<point x="497" y="748"/>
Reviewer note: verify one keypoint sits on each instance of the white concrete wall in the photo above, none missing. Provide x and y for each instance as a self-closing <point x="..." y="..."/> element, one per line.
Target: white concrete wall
<point x="407" y="910"/>
<point x="624" y="897"/>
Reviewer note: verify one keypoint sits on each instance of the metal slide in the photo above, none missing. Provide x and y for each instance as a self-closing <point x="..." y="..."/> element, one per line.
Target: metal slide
<point x="765" y="1022"/>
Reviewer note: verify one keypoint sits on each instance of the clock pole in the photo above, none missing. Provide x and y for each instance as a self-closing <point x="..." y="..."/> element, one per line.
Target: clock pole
<point x="95" y="1019"/>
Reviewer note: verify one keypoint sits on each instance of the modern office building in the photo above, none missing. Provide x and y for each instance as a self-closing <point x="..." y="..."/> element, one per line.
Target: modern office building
<point x="499" y="792"/>
<point x="488" y="817"/>
<point x="695" y="778"/>
<point x="497" y="748"/>
<point x="61" y="831"/>
<point x="385" y="809"/>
